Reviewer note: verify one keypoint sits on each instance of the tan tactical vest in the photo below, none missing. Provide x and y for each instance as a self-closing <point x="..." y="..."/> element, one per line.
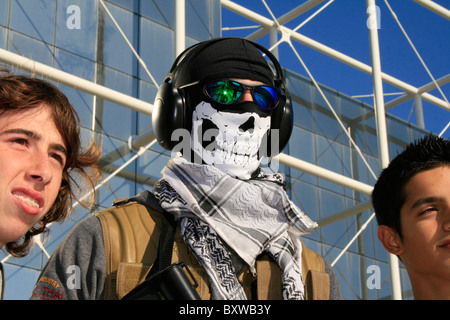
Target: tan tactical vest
<point x="131" y="237"/>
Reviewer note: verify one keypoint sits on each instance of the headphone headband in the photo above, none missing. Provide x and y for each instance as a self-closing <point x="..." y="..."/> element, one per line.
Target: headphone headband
<point x="277" y="75"/>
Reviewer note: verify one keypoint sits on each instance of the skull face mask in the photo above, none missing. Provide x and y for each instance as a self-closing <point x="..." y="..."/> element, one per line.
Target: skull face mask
<point x="227" y="140"/>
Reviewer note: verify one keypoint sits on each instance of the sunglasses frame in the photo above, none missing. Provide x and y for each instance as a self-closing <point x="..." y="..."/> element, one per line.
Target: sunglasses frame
<point x="246" y="87"/>
<point x="204" y="83"/>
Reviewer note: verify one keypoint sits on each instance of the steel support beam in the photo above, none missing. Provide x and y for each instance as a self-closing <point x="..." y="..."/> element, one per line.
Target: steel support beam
<point x="381" y="125"/>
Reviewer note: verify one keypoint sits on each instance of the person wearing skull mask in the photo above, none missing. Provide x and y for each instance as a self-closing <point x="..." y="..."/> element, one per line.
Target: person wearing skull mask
<point x="227" y="110"/>
<point x="229" y="94"/>
<point x="222" y="96"/>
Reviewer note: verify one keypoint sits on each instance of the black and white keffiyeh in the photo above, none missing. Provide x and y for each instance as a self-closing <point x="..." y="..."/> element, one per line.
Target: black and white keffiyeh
<point x="218" y="212"/>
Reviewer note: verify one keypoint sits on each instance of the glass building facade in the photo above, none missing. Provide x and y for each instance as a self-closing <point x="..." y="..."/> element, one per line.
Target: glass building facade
<point x="80" y="38"/>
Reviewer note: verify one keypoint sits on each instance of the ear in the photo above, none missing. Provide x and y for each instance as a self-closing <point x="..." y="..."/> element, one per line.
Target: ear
<point x="390" y="239"/>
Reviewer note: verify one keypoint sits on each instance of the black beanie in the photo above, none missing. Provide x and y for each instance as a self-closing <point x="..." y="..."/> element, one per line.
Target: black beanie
<point x="226" y="58"/>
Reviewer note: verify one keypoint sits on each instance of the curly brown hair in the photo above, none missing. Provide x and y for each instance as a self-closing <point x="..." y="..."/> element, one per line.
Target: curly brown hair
<point x="19" y="92"/>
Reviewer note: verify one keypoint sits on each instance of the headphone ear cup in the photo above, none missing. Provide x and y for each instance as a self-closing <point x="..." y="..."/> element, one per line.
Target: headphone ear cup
<point x="168" y="114"/>
<point x="283" y="121"/>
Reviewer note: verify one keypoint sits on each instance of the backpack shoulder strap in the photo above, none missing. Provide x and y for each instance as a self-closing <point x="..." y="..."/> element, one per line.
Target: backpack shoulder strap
<point x="131" y="233"/>
<point x="316" y="280"/>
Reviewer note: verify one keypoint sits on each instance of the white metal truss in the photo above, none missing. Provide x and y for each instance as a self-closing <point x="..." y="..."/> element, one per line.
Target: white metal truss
<point x="265" y="26"/>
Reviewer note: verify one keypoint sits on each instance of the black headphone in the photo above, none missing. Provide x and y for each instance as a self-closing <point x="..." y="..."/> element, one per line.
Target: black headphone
<point x="170" y="112"/>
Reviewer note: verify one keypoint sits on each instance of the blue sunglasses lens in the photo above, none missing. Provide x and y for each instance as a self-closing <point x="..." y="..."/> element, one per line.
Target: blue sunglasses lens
<point x="266" y="97"/>
<point x="229" y="92"/>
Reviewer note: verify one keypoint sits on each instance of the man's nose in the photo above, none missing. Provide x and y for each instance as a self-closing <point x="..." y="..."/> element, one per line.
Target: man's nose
<point x="40" y="169"/>
<point x="247" y="95"/>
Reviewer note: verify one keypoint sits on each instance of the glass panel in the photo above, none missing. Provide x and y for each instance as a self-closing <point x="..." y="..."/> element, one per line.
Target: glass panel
<point x="326" y="125"/>
<point x="74" y="64"/>
<point x="160" y="40"/>
<point x="3" y="33"/>
<point x="396" y="129"/>
<point x="30" y="48"/>
<point x="117" y="54"/>
<point x="215" y="18"/>
<point x="302" y="146"/>
<point x="76" y="27"/>
<point x="299" y="87"/>
<point x="305" y="196"/>
<point x="35" y="18"/>
<point x="371" y="145"/>
<point x="161" y="11"/>
<point x="19" y="281"/>
<point x="84" y="69"/>
<point x="329" y="156"/>
<point x="131" y="5"/>
<point x="122" y="185"/>
<point x="417" y="133"/>
<point x="331" y="203"/>
<point x="112" y="113"/>
<point x="350" y="109"/>
<point x="395" y="148"/>
<point x="147" y="92"/>
<point x="4" y="10"/>
<point x="363" y="173"/>
<point x="348" y="272"/>
<point x="303" y="116"/>
<point x="82" y="102"/>
<point x="197" y="19"/>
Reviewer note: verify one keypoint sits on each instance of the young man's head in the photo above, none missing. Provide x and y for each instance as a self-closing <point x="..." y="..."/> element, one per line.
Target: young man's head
<point x="412" y="203"/>
<point x="41" y="159"/>
<point x="225" y="95"/>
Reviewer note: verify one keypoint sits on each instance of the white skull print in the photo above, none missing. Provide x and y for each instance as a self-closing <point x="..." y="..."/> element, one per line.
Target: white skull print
<point x="227" y="140"/>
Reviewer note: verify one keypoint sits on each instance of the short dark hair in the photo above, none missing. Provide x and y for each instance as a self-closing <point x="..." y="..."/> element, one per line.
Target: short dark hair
<point x="388" y="194"/>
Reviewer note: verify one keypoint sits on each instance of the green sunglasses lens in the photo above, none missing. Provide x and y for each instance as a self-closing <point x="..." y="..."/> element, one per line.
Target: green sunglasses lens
<point x="229" y="92"/>
<point x="226" y="92"/>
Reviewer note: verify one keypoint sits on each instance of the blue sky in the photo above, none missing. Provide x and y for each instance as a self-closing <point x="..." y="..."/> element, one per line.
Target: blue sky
<point x="342" y="26"/>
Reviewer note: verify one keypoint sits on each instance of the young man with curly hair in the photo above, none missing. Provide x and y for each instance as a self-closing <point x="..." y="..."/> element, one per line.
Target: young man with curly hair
<point x="40" y="154"/>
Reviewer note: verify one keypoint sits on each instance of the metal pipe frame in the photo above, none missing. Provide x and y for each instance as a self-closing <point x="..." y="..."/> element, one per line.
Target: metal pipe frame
<point x="75" y="82"/>
<point x="381" y="127"/>
<point x="267" y="23"/>
<point x="436" y="8"/>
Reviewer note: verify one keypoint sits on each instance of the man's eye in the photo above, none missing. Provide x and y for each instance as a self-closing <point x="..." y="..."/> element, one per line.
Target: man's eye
<point x="428" y="211"/>
<point x="59" y="158"/>
<point x="21" y="141"/>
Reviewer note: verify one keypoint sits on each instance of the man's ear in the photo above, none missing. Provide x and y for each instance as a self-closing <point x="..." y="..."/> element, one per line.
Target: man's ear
<point x="390" y="239"/>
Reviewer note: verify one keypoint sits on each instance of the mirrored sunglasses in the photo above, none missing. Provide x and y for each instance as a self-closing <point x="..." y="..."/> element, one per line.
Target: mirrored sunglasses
<point x="231" y="91"/>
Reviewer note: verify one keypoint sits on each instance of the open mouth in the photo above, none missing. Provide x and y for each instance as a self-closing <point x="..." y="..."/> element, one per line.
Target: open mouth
<point x="30" y="201"/>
